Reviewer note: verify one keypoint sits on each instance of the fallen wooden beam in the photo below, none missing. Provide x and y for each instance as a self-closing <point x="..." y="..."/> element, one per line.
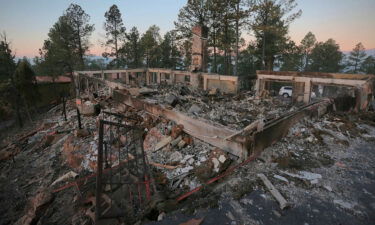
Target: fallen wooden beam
<point x="282" y="202"/>
<point x="163" y="165"/>
<point x="255" y="126"/>
<point x="161" y="144"/>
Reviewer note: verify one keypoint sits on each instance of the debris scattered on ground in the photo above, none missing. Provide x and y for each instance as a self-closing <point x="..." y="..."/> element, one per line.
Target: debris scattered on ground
<point x="312" y="159"/>
<point x="235" y="112"/>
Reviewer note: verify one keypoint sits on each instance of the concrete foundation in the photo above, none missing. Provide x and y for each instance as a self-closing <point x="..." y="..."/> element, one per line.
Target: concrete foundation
<point x="155" y="76"/>
<point x="241" y="143"/>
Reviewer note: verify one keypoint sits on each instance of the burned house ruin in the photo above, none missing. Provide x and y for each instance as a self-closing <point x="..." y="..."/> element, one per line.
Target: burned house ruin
<point x="138" y="144"/>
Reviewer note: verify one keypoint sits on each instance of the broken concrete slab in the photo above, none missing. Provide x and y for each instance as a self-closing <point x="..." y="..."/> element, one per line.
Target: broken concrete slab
<point x="194" y="109"/>
<point x="305" y="175"/>
<point x="171" y="100"/>
<point x="176" y="157"/>
<point x="141" y="91"/>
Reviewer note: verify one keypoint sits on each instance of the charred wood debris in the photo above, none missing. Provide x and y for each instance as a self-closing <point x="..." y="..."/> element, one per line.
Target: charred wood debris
<point x="49" y="170"/>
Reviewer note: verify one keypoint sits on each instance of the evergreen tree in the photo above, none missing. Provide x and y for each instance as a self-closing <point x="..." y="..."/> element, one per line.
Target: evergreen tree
<point x="7" y="64"/>
<point x="248" y="62"/>
<point x="132" y="50"/>
<point x="326" y="57"/>
<point x="271" y="28"/>
<point x="95" y="64"/>
<point x="187" y="54"/>
<point x="64" y="50"/>
<point x="242" y="9"/>
<point x="227" y="35"/>
<point x="115" y="33"/>
<point x="59" y="54"/>
<point x="195" y="12"/>
<point x="25" y="82"/>
<point x="169" y="51"/>
<point x="291" y="58"/>
<point x="307" y="45"/>
<point x="150" y="44"/>
<point x="356" y="58"/>
<point x="368" y="65"/>
<point x="214" y="9"/>
<point x="78" y="20"/>
<point x="10" y="97"/>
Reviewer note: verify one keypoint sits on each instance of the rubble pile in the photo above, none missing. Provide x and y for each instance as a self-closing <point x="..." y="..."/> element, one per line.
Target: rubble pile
<point x="233" y="111"/>
<point x="48" y="172"/>
<point x="66" y="153"/>
<point x="185" y="161"/>
<point x="322" y="167"/>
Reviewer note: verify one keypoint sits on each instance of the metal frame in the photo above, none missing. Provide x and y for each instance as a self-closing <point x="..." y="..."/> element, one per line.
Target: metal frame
<point x="131" y="172"/>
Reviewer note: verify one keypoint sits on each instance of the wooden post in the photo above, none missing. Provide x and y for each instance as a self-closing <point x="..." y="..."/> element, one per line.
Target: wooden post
<point x="79" y="119"/>
<point x="282" y="202"/>
<point x="64" y="106"/>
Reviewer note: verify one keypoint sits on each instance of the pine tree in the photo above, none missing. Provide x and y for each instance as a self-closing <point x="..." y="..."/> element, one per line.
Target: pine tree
<point x="9" y="94"/>
<point x="326" y="57"/>
<point x="115" y="33"/>
<point x="169" y="53"/>
<point x="187" y="54"/>
<point x="150" y="44"/>
<point x="291" y="58"/>
<point x="7" y="65"/>
<point x="78" y="20"/>
<point x="248" y="61"/>
<point x="25" y="82"/>
<point x="356" y="58"/>
<point x="215" y="8"/>
<point x="59" y="54"/>
<point x="227" y="35"/>
<point x="195" y="12"/>
<point x="307" y="45"/>
<point x="368" y="65"/>
<point x="95" y="64"/>
<point x="271" y="28"/>
<point x="242" y="10"/>
<point x="132" y="50"/>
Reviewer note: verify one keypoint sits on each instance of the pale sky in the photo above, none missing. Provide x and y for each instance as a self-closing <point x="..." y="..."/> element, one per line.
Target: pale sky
<point x="27" y="22"/>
